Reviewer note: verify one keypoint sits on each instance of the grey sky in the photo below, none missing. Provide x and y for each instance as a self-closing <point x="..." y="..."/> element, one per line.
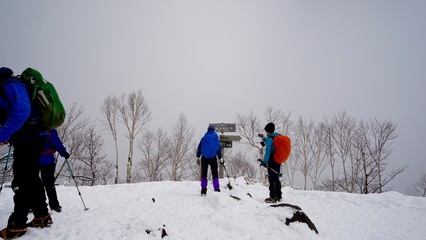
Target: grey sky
<point x="213" y="59"/>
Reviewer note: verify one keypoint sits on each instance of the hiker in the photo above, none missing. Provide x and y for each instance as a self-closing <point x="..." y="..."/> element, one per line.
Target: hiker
<point x="28" y="142"/>
<point x="209" y="150"/>
<point x="275" y="193"/>
<point x="48" y="165"/>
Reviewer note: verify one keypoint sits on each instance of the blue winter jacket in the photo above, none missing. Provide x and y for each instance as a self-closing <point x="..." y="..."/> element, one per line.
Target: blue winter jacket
<point x="269" y="146"/>
<point x="53" y="144"/>
<point x="15" y="107"/>
<point x="209" y="146"/>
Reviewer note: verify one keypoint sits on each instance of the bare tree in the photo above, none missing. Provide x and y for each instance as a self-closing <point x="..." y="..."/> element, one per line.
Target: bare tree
<point x="329" y="184"/>
<point x="272" y="115"/>
<point x="109" y="111"/>
<point x="180" y="151"/>
<point x="154" y="148"/>
<point x="318" y="150"/>
<point x="302" y="147"/>
<point x="135" y="115"/>
<point x="238" y="165"/>
<point x="344" y="127"/>
<point x="248" y="126"/>
<point x="366" y="165"/>
<point x="379" y="146"/>
<point x="72" y="134"/>
<point x="419" y="188"/>
<point x="90" y="166"/>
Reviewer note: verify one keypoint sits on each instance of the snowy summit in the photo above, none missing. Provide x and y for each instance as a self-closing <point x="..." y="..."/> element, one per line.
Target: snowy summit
<point x="175" y="210"/>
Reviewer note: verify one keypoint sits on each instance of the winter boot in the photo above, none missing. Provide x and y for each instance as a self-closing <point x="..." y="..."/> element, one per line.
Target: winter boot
<point x="203" y="191"/>
<point x="11" y="233"/>
<point x="56" y="209"/>
<point x="41" y="222"/>
<point x="217" y="190"/>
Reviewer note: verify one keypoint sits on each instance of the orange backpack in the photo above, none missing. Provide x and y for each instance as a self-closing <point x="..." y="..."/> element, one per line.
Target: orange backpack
<point x="282" y="148"/>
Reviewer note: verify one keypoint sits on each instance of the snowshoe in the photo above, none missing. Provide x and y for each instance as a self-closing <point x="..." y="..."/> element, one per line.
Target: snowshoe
<point x="11" y="233"/>
<point x="41" y="222"/>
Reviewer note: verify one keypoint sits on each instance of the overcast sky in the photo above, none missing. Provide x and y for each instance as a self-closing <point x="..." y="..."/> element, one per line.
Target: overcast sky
<point x="213" y="59"/>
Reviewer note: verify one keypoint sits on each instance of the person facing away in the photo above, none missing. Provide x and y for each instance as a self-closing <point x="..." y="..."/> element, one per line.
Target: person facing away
<point x="28" y="141"/>
<point x="48" y="165"/>
<point x="275" y="193"/>
<point x="209" y="150"/>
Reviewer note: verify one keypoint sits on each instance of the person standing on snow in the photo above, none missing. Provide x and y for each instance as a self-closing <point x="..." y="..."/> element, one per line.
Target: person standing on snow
<point x="209" y="150"/>
<point x="48" y="165"/>
<point x="275" y="193"/>
<point x="27" y="140"/>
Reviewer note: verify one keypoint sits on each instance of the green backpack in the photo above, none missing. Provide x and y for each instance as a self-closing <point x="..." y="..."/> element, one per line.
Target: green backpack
<point x="43" y="95"/>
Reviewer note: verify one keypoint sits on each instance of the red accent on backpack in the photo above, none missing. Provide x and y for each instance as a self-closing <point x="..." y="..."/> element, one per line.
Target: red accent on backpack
<point x="282" y="148"/>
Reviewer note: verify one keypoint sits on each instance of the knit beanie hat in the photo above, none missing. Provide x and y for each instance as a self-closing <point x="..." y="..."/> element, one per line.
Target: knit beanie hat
<point x="270" y="128"/>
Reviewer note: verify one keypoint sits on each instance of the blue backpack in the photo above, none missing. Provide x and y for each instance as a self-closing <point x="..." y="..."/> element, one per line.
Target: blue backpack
<point x="209" y="145"/>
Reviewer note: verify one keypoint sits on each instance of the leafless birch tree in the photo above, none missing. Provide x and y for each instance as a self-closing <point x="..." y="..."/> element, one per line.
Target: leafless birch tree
<point x="90" y="166"/>
<point x="135" y="115"/>
<point x="109" y="111"/>
<point x="302" y="147"/>
<point x="318" y="150"/>
<point x="154" y="148"/>
<point x="180" y="150"/>
<point x="380" y="147"/>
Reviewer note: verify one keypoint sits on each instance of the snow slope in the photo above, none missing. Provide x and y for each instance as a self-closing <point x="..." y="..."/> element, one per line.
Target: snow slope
<point x="129" y="211"/>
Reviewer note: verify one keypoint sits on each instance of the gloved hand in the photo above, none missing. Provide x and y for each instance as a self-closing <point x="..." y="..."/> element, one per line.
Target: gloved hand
<point x="262" y="163"/>
<point x="198" y="161"/>
<point x="221" y="161"/>
<point x="65" y="154"/>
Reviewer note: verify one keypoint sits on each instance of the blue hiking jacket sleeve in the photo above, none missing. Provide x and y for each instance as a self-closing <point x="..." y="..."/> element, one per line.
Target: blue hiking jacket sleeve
<point x="199" y="149"/>
<point x="269" y="146"/>
<point x="57" y="143"/>
<point x="16" y="105"/>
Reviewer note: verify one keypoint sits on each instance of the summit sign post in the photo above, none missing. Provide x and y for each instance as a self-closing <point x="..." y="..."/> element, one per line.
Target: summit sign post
<point x="224" y="127"/>
<point x="225" y="140"/>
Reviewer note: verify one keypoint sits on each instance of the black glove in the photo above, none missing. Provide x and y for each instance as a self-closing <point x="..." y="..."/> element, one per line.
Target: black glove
<point x="262" y="143"/>
<point x="65" y="154"/>
<point x="262" y="163"/>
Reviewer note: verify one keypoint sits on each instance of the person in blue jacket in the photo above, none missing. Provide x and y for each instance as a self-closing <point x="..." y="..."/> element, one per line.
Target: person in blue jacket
<point x="48" y="165"/>
<point x="210" y="151"/>
<point x="274" y="168"/>
<point x="27" y="141"/>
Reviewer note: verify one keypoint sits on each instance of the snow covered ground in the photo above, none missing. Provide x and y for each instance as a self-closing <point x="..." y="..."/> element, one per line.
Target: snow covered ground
<point x="130" y="211"/>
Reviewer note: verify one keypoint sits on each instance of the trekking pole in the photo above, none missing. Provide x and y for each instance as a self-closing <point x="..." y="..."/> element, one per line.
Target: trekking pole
<point x="229" y="180"/>
<point x="5" y="168"/>
<point x="76" y="185"/>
